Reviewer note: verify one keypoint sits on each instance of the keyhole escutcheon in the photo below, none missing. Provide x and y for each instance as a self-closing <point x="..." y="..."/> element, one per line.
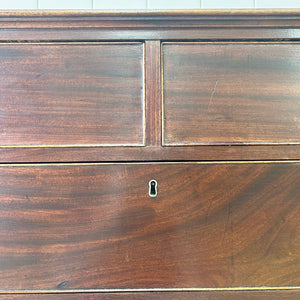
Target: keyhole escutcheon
<point x="152" y="188"/>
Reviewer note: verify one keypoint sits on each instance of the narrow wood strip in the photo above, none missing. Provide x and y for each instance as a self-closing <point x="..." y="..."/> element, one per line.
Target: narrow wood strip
<point x="223" y="295"/>
<point x="107" y="34"/>
<point x="171" y="19"/>
<point x="158" y="14"/>
<point x="105" y="154"/>
<point x="154" y="290"/>
<point x="153" y="95"/>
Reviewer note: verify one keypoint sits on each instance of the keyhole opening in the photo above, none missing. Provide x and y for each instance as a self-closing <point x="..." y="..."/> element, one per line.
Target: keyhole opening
<point x="152" y="188"/>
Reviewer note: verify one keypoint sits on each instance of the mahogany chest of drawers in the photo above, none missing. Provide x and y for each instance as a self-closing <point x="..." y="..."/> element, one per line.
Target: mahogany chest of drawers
<point x="150" y="155"/>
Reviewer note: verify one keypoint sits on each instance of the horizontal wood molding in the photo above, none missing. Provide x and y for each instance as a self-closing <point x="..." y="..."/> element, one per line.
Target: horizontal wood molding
<point x="125" y="34"/>
<point x="173" y="25"/>
<point x="149" y="153"/>
<point x="148" y="19"/>
<point x="263" y="294"/>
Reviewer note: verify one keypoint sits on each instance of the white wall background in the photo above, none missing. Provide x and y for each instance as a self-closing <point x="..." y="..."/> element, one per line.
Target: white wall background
<point x="146" y="4"/>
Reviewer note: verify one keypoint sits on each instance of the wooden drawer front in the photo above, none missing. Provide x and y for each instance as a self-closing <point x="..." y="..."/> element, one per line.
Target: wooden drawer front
<point x="231" y="93"/>
<point x="95" y="226"/>
<point x="71" y="94"/>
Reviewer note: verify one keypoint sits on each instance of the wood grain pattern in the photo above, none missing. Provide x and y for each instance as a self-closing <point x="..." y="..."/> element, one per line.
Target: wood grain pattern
<point x="149" y="153"/>
<point x="68" y="231"/>
<point x="153" y="93"/>
<point x="71" y="94"/>
<point x="150" y="19"/>
<point x="236" y="295"/>
<point x="149" y="25"/>
<point x="125" y="34"/>
<point x="76" y="226"/>
<point x="231" y="93"/>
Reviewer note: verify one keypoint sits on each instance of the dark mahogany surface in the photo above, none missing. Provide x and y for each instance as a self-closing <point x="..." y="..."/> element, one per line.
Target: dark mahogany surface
<point x="71" y="94"/>
<point x="150" y="153"/>
<point x="231" y="93"/>
<point x="87" y="87"/>
<point x="94" y="226"/>
<point x="62" y="100"/>
<point x="150" y="25"/>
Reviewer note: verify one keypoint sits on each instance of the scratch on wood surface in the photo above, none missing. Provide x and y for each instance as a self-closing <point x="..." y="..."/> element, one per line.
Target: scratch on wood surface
<point x="62" y="285"/>
<point x="212" y="94"/>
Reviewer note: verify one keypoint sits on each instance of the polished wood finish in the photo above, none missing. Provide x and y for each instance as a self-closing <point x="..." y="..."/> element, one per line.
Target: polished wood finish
<point x="94" y="226"/>
<point x="149" y="25"/>
<point x="75" y="138"/>
<point x="144" y="19"/>
<point x="153" y="95"/>
<point x="149" y="153"/>
<point x="228" y="295"/>
<point x="95" y="87"/>
<point x="71" y="94"/>
<point x="231" y="93"/>
<point x="125" y="34"/>
<point x="212" y="295"/>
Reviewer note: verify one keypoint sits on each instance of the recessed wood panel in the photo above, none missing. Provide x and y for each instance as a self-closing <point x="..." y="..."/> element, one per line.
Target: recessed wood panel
<point x="77" y="226"/>
<point x="231" y="93"/>
<point x="82" y="94"/>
